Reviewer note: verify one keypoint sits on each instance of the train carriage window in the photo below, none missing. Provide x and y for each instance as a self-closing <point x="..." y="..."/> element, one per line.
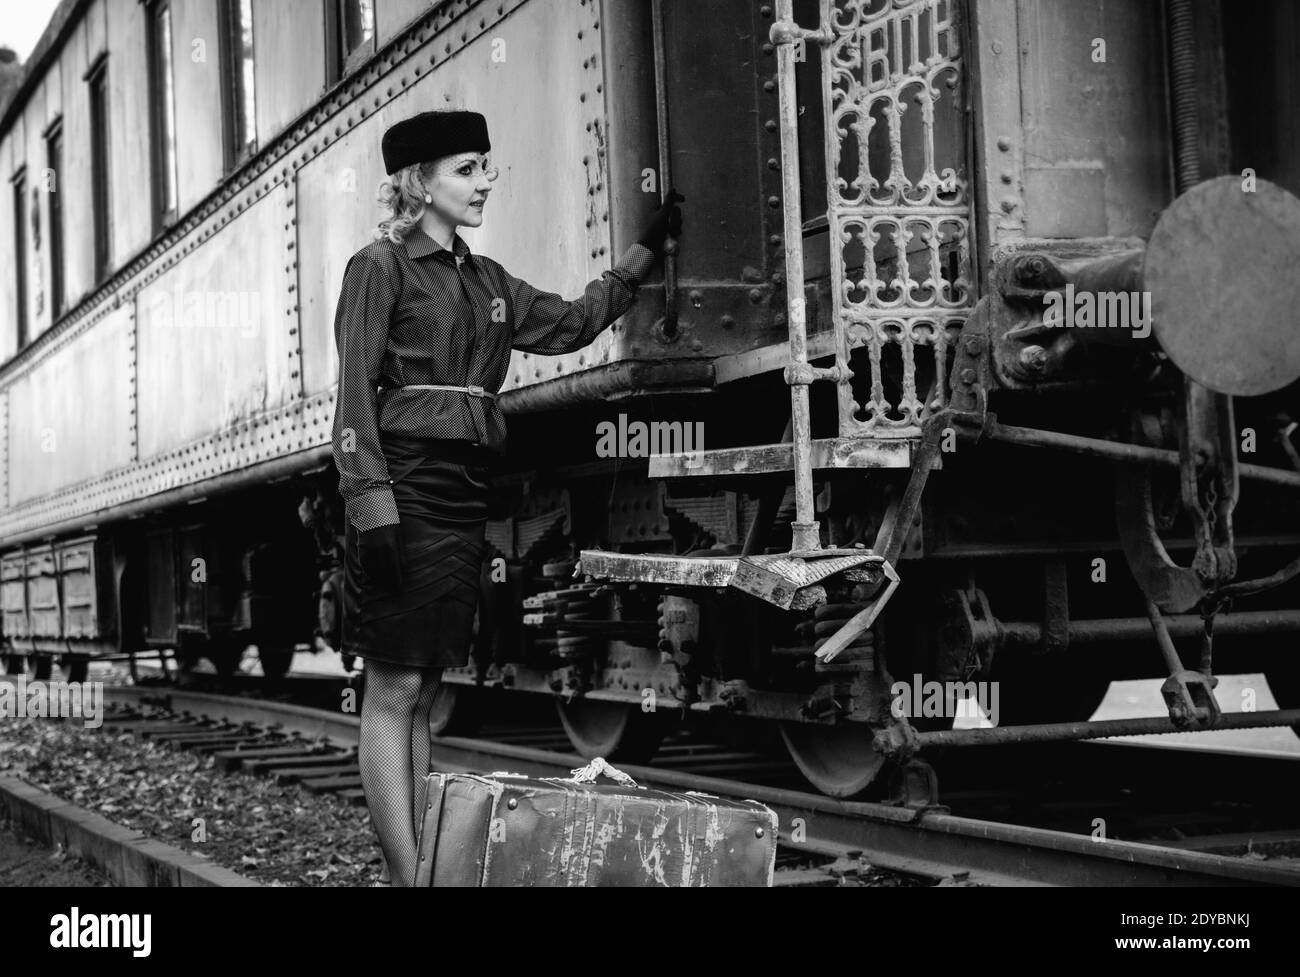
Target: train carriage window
<point x="162" y="113"/>
<point x="54" y="160"/>
<point x="238" y="101"/>
<point x="349" y="35"/>
<point x="102" y="214"/>
<point x="20" y="253"/>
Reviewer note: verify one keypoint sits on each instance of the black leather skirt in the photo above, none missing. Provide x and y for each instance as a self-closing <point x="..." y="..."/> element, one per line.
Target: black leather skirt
<point x="441" y="489"/>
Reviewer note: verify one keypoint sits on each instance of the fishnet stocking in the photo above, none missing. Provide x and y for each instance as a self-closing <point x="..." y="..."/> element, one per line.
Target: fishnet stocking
<point x="420" y="739"/>
<point x="387" y="712"/>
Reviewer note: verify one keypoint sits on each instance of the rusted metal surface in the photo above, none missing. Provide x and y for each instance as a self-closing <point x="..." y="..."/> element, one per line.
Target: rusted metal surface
<point x="612" y="382"/>
<point x="1221" y="271"/>
<point x="1101" y="729"/>
<point x="1093" y="121"/>
<point x="1104" y="630"/>
<point x="665" y="163"/>
<point x="861" y="621"/>
<point x="996" y="125"/>
<point x="898" y="201"/>
<point x="778" y="579"/>
<point x="773" y="577"/>
<point x="784" y="33"/>
<point x="1174" y="588"/>
<point x="1119" y="451"/>
<point x="649" y="568"/>
<point x="824" y="453"/>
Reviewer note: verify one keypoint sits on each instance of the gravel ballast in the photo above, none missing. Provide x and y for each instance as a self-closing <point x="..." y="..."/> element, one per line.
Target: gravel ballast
<point x="274" y="834"/>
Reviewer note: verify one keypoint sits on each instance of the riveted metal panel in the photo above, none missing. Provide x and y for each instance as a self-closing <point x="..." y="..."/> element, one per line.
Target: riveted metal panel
<point x="339" y="213"/>
<point x="391" y="16"/>
<point x="1095" y="131"/>
<point x="288" y="62"/>
<point x="261" y="438"/>
<point x="999" y="142"/>
<point x="198" y="101"/>
<point x="213" y="342"/>
<point x="128" y="130"/>
<point x="69" y="417"/>
<point x="536" y="222"/>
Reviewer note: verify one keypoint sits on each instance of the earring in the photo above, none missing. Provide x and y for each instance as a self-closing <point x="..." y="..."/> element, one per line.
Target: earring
<point x="428" y="198"/>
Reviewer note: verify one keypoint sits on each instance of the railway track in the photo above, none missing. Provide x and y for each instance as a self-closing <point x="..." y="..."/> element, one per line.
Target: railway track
<point x="317" y="749"/>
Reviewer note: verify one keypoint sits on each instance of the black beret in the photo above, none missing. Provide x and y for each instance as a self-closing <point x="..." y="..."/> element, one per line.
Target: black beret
<point x="429" y="135"/>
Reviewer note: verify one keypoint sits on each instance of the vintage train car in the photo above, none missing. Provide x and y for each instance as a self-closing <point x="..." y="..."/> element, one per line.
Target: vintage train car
<point x="880" y="194"/>
<point x="217" y="162"/>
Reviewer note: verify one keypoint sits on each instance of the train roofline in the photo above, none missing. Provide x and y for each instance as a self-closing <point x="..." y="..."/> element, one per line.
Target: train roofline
<point x="67" y="15"/>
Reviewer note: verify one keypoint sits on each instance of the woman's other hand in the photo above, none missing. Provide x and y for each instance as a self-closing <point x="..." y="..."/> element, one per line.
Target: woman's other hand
<point x="380" y="550"/>
<point x="663" y="222"/>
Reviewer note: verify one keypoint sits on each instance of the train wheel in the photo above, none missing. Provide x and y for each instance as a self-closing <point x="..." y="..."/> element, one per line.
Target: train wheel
<point x="457" y="711"/>
<point x="611" y="730"/>
<point x="839" y="761"/>
<point x="275" y="660"/>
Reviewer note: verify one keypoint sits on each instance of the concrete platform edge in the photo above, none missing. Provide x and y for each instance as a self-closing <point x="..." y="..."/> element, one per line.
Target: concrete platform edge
<point x="126" y="856"/>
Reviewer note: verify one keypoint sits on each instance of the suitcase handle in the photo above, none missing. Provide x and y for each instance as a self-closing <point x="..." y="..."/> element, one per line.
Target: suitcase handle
<point x="598" y="766"/>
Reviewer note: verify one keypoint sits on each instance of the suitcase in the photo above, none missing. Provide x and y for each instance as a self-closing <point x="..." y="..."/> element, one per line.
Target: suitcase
<point x="508" y="829"/>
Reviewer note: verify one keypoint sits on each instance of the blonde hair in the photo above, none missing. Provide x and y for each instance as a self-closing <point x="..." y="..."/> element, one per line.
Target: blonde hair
<point x="403" y="196"/>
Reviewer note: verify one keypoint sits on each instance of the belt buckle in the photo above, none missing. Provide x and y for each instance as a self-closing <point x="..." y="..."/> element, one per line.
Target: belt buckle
<point x="475" y="390"/>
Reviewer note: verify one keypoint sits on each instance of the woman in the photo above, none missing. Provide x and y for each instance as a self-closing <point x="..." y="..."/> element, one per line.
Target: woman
<point x="424" y="331"/>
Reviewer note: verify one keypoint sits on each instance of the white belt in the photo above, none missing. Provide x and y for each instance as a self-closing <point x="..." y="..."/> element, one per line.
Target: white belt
<point x="474" y="390"/>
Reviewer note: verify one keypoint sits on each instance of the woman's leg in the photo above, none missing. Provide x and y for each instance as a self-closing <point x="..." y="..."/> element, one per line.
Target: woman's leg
<point x="387" y="710"/>
<point x="421" y="748"/>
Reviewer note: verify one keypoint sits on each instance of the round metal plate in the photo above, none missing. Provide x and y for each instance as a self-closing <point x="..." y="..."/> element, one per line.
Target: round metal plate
<point x="1222" y="269"/>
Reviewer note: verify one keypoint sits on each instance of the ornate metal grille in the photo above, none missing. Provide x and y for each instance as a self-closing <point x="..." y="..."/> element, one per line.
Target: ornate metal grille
<point x="898" y="206"/>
